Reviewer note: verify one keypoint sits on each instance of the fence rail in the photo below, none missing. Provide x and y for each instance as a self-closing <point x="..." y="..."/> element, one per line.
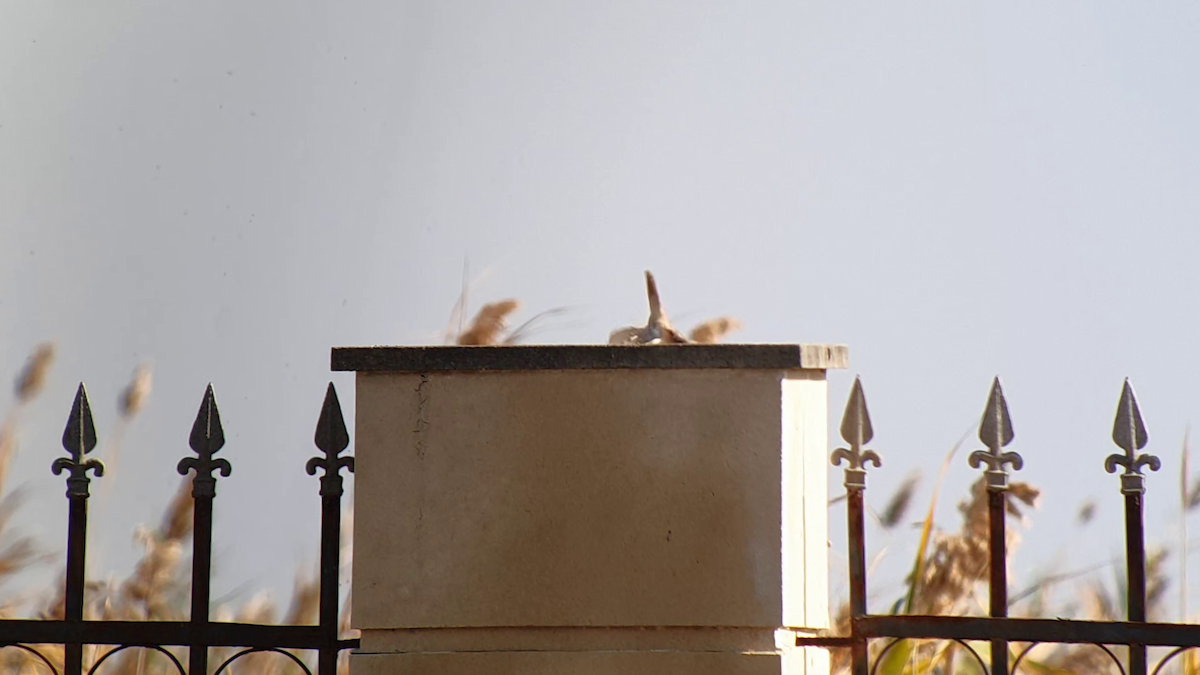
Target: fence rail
<point x="996" y="433"/>
<point x="199" y="633"/>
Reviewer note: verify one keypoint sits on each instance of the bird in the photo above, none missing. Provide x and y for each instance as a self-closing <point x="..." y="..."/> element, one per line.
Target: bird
<point x="657" y="331"/>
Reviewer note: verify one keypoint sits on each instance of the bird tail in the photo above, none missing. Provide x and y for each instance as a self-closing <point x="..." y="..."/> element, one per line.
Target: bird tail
<point x="656" y="313"/>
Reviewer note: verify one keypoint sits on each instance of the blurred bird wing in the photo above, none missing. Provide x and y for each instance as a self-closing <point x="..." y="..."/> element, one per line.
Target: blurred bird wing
<point x="630" y="335"/>
<point x="673" y="337"/>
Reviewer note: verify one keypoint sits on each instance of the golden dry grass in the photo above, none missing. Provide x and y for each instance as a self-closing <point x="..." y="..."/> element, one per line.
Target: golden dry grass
<point x="489" y="325"/>
<point x="713" y="331"/>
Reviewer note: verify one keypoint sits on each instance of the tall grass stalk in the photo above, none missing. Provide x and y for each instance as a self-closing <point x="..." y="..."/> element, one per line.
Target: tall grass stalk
<point x="918" y="569"/>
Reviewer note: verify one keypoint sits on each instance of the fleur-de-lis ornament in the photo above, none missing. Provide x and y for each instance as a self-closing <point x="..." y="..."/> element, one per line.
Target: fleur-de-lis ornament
<point x="79" y="438"/>
<point x="207" y="438"/>
<point x="331" y="438"/>
<point x="1129" y="433"/>
<point x="995" y="430"/>
<point x="856" y="430"/>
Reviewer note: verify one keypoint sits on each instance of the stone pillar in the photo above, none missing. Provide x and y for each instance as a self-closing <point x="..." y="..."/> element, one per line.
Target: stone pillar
<point x="590" y="510"/>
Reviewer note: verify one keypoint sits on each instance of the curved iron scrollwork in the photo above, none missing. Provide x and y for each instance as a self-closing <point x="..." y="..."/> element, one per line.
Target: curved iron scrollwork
<point x="331" y="438"/>
<point x="174" y="661"/>
<point x="996" y="432"/>
<point x="856" y="430"/>
<point x="962" y="643"/>
<point x="1129" y="433"/>
<point x="30" y="650"/>
<point x="1022" y="654"/>
<point x="256" y="650"/>
<point x="973" y="653"/>
<point x="207" y="438"/>
<point x="883" y="652"/>
<point x="1025" y="652"/>
<point x="1166" y="659"/>
<point x="79" y="438"/>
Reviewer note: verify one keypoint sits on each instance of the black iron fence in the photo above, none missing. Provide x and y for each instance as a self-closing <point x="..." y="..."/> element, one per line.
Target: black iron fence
<point x="199" y="634"/>
<point x="1011" y="639"/>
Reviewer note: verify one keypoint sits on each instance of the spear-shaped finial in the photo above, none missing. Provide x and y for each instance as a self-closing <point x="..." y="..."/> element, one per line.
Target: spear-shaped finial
<point x="996" y="432"/>
<point x="856" y="430"/>
<point x="208" y="436"/>
<point x="1129" y="433"/>
<point x="79" y="438"/>
<point x="995" y="429"/>
<point x="856" y="420"/>
<point x="331" y="438"/>
<point x="206" y="439"/>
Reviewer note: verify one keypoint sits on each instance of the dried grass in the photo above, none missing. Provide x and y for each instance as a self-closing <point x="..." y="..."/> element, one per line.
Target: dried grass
<point x="959" y="561"/>
<point x="33" y="376"/>
<point x="152" y="591"/>
<point x="898" y="505"/>
<point x="131" y="401"/>
<point x="489" y="325"/>
<point x="532" y="326"/>
<point x="8" y="447"/>
<point x="134" y="396"/>
<point x="29" y="383"/>
<point x="714" y="330"/>
<point x="1087" y="511"/>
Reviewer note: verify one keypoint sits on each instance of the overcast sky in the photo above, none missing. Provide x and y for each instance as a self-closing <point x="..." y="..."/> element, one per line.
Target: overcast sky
<point x="954" y="191"/>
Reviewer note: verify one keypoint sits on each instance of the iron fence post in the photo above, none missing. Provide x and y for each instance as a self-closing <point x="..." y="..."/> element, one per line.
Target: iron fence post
<point x="206" y="439"/>
<point x="998" y="582"/>
<point x="856" y="430"/>
<point x="1135" y="555"/>
<point x="331" y="438"/>
<point x="996" y="432"/>
<point x="1129" y="434"/>
<point x="858" y="576"/>
<point x="79" y="438"/>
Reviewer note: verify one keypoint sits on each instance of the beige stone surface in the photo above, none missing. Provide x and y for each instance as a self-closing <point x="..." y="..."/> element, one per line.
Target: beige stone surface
<point x="643" y="520"/>
<point x="805" y="469"/>
<point x="649" y="497"/>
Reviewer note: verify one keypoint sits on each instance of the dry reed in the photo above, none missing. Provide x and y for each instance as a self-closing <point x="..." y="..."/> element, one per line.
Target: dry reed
<point x="714" y="330"/>
<point x="1087" y="511"/>
<point x="28" y="385"/>
<point x="33" y="376"/>
<point x="898" y="505"/>
<point x="134" y="396"/>
<point x="960" y="561"/>
<point x="489" y="325"/>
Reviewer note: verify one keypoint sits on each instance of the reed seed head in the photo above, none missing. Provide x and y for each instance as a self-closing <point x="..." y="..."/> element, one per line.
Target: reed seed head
<point x="489" y="324"/>
<point x="714" y="330"/>
<point x="134" y="396"/>
<point x="33" y="376"/>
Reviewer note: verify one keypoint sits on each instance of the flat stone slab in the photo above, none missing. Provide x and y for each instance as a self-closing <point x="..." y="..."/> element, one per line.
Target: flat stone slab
<point x="589" y="357"/>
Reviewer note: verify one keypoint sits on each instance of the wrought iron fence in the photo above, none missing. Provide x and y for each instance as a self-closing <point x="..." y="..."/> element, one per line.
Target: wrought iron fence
<point x="998" y="629"/>
<point x="199" y="633"/>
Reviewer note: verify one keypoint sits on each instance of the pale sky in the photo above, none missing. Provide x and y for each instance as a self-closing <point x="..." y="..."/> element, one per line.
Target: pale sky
<point x="954" y="191"/>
